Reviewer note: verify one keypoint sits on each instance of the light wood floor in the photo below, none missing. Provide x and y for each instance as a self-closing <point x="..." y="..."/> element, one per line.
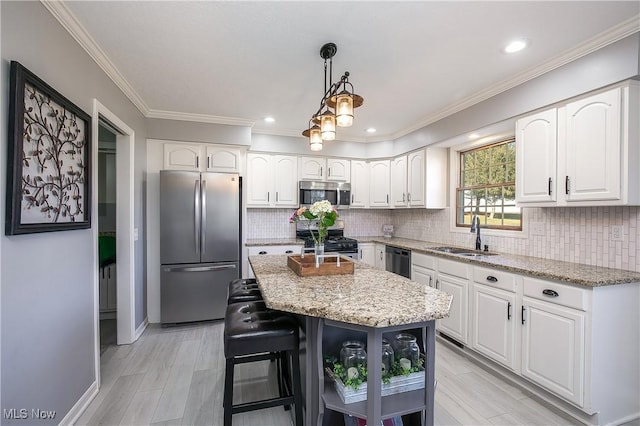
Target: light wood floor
<point x="175" y="376"/>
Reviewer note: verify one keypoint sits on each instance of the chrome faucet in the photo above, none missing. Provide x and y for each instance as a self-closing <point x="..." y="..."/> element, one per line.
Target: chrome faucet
<point x="475" y="227"/>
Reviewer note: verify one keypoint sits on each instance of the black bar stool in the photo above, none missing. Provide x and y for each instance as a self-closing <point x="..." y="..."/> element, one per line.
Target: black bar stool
<point x="252" y="332"/>
<point x="244" y="290"/>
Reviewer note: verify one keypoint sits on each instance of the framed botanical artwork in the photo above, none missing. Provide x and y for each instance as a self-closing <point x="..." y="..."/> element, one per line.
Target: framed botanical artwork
<point x="48" y="171"/>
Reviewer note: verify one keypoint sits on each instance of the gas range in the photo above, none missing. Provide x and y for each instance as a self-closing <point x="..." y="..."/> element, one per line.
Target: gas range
<point x="339" y="244"/>
<point x="335" y="242"/>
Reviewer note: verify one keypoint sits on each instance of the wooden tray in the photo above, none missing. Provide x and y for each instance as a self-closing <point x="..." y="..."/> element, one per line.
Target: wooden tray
<point x="306" y="266"/>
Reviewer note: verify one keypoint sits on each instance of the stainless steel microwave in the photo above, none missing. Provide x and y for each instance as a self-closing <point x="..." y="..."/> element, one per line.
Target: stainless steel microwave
<point x="337" y="193"/>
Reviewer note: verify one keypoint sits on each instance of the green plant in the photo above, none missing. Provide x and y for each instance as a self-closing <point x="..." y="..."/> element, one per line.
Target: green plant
<point x="355" y="376"/>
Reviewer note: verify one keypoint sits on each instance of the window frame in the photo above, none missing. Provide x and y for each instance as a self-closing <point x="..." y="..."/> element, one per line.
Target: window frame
<point x="454" y="179"/>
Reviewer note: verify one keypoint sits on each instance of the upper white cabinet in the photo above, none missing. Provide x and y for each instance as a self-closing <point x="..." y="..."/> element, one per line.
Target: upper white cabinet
<point x="359" y="183"/>
<point x="338" y="170"/>
<point x="399" y="181"/>
<point x="182" y="156"/>
<point x="202" y="157"/>
<point x="222" y="159"/>
<point x="536" y="140"/>
<point x="419" y="179"/>
<point x="312" y="168"/>
<point x="324" y="169"/>
<point x="583" y="153"/>
<point x="379" y="183"/>
<point x="272" y="180"/>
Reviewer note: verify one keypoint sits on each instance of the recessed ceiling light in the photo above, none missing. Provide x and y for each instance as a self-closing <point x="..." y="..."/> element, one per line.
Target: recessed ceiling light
<point x="371" y="130"/>
<point x="269" y="119"/>
<point x="473" y="135"/>
<point x="516" y="46"/>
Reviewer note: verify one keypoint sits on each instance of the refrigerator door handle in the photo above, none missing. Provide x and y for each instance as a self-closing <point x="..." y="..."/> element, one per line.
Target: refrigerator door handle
<point x="203" y="229"/>
<point x="196" y="219"/>
<point x="198" y="268"/>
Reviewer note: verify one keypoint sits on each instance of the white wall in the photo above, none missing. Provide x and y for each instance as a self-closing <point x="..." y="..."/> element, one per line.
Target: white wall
<point x="47" y="294"/>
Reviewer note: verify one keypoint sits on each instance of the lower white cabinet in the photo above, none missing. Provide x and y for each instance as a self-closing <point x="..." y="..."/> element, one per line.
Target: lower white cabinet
<point x="367" y="253"/>
<point x="553" y="348"/>
<point x="423" y="269"/>
<point x="493" y="325"/>
<point x="453" y="278"/>
<point x="381" y="257"/>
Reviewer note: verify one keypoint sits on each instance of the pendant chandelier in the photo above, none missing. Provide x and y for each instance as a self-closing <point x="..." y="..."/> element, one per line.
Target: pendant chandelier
<point x="336" y="105"/>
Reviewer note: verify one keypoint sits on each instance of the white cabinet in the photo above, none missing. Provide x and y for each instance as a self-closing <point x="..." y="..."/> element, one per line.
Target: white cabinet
<point x="583" y="153"/>
<point x="436" y="172"/>
<point x="312" y="168"/>
<point x="493" y="319"/>
<point x="324" y="169"/>
<point x="453" y="278"/>
<point x="423" y="269"/>
<point x="553" y="337"/>
<point x="536" y="140"/>
<point x="272" y="180"/>
<point x="202" y="157"/>
<point x="399" y="181"/>
<point x="182" y="156"/>
<point x="338" y="170"/>
<point x="381" y="258"/>
<point x="367" y="253"/>
<point x="223" y="159"/>
<point x="359" y="183"/>
<point x="408" y="180"/>
<point x="379" y="183"/>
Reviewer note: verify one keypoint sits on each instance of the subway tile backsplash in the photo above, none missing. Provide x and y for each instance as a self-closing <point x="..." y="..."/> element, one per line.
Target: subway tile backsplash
<point x="572" y="234"/>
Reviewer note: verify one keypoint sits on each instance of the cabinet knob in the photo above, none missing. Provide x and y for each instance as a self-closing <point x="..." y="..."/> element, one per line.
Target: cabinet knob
<point x="550" y="293"/>
<point x="567" y="182"/>
<point x="550" y="182"/>
<point x="492" y="279"/>
<point x="288" y="252"/>
<point x="262" y="252"/>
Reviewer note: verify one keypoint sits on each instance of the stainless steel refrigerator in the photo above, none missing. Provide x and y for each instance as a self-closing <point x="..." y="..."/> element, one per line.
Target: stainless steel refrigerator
<point x="199" y="243"/>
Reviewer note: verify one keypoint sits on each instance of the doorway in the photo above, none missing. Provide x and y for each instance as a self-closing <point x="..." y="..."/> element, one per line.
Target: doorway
<point x="124" y="228"/>
<point x="107" y="235"/>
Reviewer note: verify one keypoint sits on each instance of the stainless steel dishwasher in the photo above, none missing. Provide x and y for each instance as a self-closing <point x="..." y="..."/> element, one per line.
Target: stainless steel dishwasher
<point x="398" y="261"/>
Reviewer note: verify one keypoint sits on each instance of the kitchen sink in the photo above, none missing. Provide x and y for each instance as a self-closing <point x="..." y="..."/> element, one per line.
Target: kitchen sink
<point x="462" y="251"/>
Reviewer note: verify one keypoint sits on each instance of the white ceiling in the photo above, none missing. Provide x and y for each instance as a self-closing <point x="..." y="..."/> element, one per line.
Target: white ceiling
<point x="413" y="62"/>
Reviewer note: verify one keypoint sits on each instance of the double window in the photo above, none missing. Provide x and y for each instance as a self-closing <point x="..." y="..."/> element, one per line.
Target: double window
<point x="487" y="187"/>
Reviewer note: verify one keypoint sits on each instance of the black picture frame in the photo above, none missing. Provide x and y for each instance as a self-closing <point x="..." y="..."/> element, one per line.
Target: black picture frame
<point x="49" y="159"/>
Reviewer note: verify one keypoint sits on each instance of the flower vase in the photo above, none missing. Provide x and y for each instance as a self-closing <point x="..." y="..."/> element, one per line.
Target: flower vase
<point x="319" y="251"/>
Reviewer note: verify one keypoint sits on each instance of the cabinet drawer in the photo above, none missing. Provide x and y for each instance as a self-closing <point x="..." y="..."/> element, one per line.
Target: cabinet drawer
<point x="493" y="278"/>
<point x="561" y="294"/>
<point x="423" y="260"/>
<point x="274" y="250"/>
<point x="457" y="269"/>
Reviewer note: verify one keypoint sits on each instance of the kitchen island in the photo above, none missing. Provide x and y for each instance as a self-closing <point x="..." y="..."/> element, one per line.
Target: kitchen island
<point x="369" y="302"/>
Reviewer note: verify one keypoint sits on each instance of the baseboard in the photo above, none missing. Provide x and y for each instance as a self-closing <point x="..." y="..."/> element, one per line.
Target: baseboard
<point x="141" y="329"/>
<point x="79" y="407"/>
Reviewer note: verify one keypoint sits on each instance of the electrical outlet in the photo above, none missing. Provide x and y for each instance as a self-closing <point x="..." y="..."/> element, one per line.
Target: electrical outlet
<point x="537" y="228"/>
<point x="617" y="233"/>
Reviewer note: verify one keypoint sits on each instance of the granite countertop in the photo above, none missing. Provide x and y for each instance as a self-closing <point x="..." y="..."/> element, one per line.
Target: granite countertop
<point x="274" y="242"/>
<point x="368" y="297"/>
<point x="574" y="273"/>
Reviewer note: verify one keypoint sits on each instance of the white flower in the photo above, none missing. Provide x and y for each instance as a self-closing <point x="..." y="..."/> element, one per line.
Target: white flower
<point x="320" y="207"/>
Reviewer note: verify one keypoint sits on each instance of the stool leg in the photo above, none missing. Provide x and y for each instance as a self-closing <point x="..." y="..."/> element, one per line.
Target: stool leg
<point x="297" y="387"/>
<point x="228" y="392"/>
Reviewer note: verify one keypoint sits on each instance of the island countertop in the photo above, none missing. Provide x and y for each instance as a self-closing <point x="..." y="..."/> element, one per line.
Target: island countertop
<point x="368" y="297"/>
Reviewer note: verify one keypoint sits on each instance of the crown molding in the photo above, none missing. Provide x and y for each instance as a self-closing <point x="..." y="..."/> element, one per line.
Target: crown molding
<point x="201" y="118"/>
<point x="610" y="36"/>
<point x="68" y="20"/>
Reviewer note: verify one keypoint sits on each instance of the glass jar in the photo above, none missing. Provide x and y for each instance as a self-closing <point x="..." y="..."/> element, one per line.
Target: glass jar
<point x="353" y="354"/>
<point x="407" y="350"/>
<point x="387" y="357"/>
